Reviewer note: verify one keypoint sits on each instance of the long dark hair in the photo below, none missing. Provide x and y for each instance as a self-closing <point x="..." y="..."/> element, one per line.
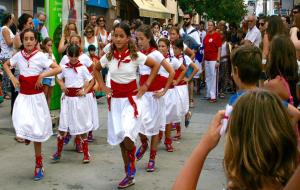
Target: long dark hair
<point x="131" y="45"/>
<point x="7" y="16"/>
<point x="28" y="30"/>
<point x="282" y="60"/>
<point x="23" y="19"/>
<point x="45" y="41"/>
<point x="275" y="27"/>
<point x="146" y="30"/>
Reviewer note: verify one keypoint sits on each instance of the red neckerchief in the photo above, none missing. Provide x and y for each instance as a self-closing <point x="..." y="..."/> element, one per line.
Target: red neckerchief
<point x="181" y="56"/>
<point x="28" y="55"/>
<point x="166" y="56"/>
<point x="148" y="51"/>
<point x="121" y="56"/>
<point x="74" y="67"/>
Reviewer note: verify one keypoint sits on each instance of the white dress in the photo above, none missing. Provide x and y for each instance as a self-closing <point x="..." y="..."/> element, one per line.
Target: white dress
<point x="121" y="120"/>
<point x="31" y="117"/>
<point x="171" y="96"/>
<point x="153" y="114"/>
<point x="75" y="114"/>
<point x="182" y="90"/>
<point x="86" y="61"/>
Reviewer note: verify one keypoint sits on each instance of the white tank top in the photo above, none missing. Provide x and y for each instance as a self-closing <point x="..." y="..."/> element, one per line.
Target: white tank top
<point x="6" y="51"/>
<point x="86" y="45"/>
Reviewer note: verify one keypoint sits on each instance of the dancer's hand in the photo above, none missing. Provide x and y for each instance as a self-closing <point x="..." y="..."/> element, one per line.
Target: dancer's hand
<point x="160" y="93"/>
<point x="141" y="91"/>
<point x="38" y="83"/>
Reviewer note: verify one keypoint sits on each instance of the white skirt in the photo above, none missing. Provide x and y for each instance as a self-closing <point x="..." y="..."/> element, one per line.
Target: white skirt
<point x="183" y="104"/>
<point x="94" y="110"/>
<point x="121" y="121"/>
<point x="153" y="115"/>
<point x="172" y="101"/>
<point x="31" y="117"/>
<point x="75" y="115"/>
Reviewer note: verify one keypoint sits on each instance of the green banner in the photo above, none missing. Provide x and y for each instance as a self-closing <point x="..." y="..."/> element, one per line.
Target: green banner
<point x="54" y="12"/>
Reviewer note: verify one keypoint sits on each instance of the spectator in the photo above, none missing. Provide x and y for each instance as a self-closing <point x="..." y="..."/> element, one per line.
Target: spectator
<point x="25" y="22"/>
<point x="102" y="33"/>
<point x="259" y="112"/>
<point x="39" y="25"/>
<point x="89" y="39"/>
<point x="202" y="31"/>
<point x="253" y="35"/>
<point x="6" y="44"/>
<point x="188" y="29"/>
<point x="156" y="31"/>
<point x="93" y="20"/>
<point x="86" y="19"/>
<point x="64" y="42"/>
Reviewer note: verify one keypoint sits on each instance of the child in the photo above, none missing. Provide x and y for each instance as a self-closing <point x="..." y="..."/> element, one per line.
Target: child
<point x="124" y="97"/>
<point x="153" y="116"/>
<point x="171" y="97"/>
<point x="182" y="88"/>
<point x="75" y="117"/>
<point x="31" y="116"/>
<point x="86" y="61"/>
<point x="48" y="82"/>
<point x="260" y="146"/>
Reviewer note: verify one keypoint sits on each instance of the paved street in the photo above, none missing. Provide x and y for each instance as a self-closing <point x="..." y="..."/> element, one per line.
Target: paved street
<point x="105" y="170"/>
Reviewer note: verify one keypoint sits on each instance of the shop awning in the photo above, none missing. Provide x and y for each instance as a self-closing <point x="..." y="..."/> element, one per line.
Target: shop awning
<point x="152" y="8"/>
<point x="98" y="3"/>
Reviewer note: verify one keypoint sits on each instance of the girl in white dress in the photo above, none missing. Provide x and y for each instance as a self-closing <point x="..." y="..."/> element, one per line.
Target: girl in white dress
<point x="75" y="117"/>
<point x="31" y="117"/>
<point x="124" y="97"/>
<point x="86" y="61"/>
<point x="182" y="86"/>
<point x="153" y="116"/>
<point x="171" y="97"/>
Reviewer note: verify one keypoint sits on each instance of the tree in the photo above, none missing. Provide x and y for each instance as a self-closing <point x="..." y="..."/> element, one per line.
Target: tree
<point x="228" y="10"/>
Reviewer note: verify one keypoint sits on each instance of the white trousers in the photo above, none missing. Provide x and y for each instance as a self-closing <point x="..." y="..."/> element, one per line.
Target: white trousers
<point x="211" y="79"/>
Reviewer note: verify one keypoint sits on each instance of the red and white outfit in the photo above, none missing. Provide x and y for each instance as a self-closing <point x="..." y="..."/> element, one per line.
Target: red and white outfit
<point x="124" y="108"/>
<point x="153" y="114"/>
<point x="87" y="62"/>
<point x="212" y="42"/>
<point x="171" y="96"/>
<point x="75" y="116"/>
<point x="182" y="87"/>
<point x="31" y="117"/>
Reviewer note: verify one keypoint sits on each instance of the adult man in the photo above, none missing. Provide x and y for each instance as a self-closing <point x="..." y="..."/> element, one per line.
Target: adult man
<point x="39" y="25"/>
<point x="188" y="29"/>
<point x="94" y="20"/>
<point x="253" y="35"/>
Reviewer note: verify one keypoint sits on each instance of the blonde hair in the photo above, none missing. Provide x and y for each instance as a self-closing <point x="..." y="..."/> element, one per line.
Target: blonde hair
<point x="66" y="29"/>
<point x="261" y="145"/>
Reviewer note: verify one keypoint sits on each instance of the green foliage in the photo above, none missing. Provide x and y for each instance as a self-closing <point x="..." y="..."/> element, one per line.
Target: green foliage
<point x="228" y="10"/>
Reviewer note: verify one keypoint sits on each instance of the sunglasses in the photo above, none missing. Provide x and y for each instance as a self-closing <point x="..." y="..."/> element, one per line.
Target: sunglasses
<point x="186" y="18"/>
<point x="89" y="31"/>
<point x="101" y="20"/>
<point x="295" y="12"/>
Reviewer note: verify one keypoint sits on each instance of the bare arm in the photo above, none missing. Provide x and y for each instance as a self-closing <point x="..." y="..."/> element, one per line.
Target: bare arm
<point x="99" y="79"/>
<point x="293" y="183"/>
<point x="294" y="38"/>
<point x="8" y="40"/>
<point x="189" y="175"/>
<point x="171" y="72"/>
<point x="266" y="44"/>
<point x="14" y="80"/>
<point x="17" y="42"/>
<point x="190" y="53"/>
<point x="62" y="46"/>
<point x="154" y="70"/>
<point x="195" y="70"/>
<point x="55" y="69"/>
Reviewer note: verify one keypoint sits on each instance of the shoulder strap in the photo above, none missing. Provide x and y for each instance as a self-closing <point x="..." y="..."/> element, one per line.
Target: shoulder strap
<point x="194" y="30"/>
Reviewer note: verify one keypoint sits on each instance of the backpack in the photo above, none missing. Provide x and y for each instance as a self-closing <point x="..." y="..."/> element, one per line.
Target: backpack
<point x="190" y="41"/>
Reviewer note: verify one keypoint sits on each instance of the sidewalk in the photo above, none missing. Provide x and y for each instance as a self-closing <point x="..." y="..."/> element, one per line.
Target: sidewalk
<point x="106" y="167"/>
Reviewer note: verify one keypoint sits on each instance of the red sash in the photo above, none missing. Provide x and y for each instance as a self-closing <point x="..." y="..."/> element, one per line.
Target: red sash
<point x="124" y="91"/>
<point x="27" y="85"/>
<point x="72" y="92"/>
<point x="177" y="74"/>
<point x="158" y="83"/>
